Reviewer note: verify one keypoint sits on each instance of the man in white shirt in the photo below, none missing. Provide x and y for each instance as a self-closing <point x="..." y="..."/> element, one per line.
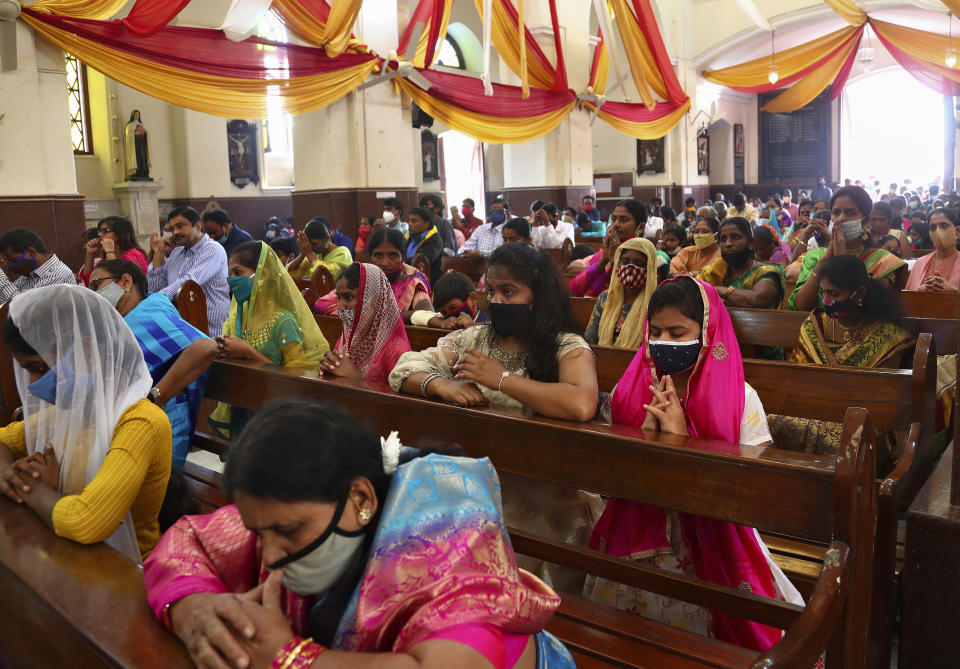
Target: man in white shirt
<point x="24" y="254"/>
<point x="548" y="231"/>
<point x="392" y="215"/>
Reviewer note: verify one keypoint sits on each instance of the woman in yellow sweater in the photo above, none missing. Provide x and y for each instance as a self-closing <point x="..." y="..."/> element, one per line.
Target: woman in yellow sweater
<point x="92" y="455"/>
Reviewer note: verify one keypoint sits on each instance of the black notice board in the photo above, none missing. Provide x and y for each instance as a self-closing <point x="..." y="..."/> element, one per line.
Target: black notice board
<point x="795" y="145"/>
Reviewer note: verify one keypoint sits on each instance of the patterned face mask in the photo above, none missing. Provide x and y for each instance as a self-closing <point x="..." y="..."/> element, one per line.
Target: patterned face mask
<point x="346" y="317"/>
<point x="632" y="276"/>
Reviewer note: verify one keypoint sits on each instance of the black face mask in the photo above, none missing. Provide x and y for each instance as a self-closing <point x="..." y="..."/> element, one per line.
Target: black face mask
<point x="394" y="276"/>
<point x="738" y="258"/>
<point x="464" y="309"/>
<point x="672" y="357"/>
<point x="510" y="320"/>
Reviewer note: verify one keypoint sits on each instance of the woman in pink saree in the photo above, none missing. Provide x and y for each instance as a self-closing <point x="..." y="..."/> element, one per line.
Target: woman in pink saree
<point x="687" y="378"/>
<point x="373" y="335"/>
<point x="350" y="552"/>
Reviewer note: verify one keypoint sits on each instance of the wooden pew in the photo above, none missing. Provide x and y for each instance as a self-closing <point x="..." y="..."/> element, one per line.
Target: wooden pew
<point x="69" y="605"/>
<point x="421" y="263"/>
<point x="703" y="477"/>
<point x="472" y="267"/>
<point x="9" y="396"/>
<point x="321" y="282"/>
<point x="930" y="305"/>
<point x="191" y="302"/>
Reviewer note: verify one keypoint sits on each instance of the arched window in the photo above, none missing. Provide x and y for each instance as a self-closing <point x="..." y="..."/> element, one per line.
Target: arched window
<point x="450" y="55"/>
<point x="79" y="104"/>
<point x="276" y="130"/>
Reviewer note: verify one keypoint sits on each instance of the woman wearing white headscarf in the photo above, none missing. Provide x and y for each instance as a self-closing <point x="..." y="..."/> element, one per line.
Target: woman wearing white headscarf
<point x="91" y="456"/>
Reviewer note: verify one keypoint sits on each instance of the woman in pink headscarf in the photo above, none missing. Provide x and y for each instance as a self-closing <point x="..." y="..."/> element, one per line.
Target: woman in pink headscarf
<point x="373" y="334"/>
<point x="687" y="379"/>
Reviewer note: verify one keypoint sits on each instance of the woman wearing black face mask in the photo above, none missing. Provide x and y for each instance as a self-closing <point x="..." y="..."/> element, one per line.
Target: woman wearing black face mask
<point x="529" y="356"/>
<point x="741" y="279"/>
<point x="399" y="595"/>
<point x="858" y="326"/>
<point x="687" y="379"/>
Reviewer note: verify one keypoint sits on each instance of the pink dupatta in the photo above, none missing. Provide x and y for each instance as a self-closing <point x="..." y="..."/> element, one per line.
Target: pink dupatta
<point x="376" y="337"/>
<point x="721" y="552"/>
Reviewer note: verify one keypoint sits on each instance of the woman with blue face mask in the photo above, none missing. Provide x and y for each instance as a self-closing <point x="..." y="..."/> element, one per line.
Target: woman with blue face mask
<point x="269" y="323"/>
<point x="92" y="454"/>
<point x="850" y="209"/>
<point x="687" y="379"/>
<point x="361" y="548"/>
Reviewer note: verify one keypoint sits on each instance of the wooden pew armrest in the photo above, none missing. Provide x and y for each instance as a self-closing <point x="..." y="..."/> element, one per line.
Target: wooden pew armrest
<point x="807" y="638"/>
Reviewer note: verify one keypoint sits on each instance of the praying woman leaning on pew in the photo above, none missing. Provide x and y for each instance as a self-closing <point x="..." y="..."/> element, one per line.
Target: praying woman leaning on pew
<point x="687" y="379"/>
<point x="939" y="272"/>
<point x="530" y="355"/>
<point x="95" y="462"/>
<point x="859" y="325"/>
<point x="269" y="323"/>
<point x="349" y="560"/>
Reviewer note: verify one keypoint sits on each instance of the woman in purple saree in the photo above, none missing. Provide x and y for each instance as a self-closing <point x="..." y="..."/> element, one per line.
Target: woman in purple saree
<point x="687" y="378"/>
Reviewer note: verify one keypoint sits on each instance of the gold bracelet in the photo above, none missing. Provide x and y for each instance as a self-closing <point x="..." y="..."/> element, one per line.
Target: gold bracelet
<point x="293" y="654"/>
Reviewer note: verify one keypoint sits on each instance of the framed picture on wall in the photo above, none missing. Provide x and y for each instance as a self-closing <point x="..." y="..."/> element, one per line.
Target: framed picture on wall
<point x="243" y="150"/>
<point x="738" y="139"/>
<point x="429" y="156"/>
<point x="650" y="158"/>
<point x="703" y="152"/>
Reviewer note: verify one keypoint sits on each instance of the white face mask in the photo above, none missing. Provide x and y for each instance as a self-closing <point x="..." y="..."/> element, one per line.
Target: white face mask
<point x="852" y="229"/>
<point x="388" y="217"/>
<point x="112" y="293"/>
<point x="320" y="564"/>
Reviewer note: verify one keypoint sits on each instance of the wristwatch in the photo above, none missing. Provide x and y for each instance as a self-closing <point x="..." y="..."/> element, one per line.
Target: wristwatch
<point x="154" y="394"/>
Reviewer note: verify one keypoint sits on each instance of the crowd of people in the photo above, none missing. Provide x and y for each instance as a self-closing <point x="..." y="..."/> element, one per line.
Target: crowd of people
<point x="111" y="378"/>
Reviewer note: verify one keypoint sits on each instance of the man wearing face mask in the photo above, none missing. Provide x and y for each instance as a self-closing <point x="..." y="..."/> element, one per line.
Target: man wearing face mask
<point x="24" y="254"/>
<point x="463" y="219"/>
<point x="589" y="208"/>
<point x="434" y="203"/>
<point x="217" y="224"/>
<point x="849" y="209"/>
<point x="392" y="213"/>
<point x="195" y="257"/>
<point x="177" y="354"/>
<point x="488" y="237"/>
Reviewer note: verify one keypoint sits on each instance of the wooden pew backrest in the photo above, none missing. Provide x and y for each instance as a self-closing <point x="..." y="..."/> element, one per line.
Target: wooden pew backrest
<point x="192" y="304"/>
<point x="930" y="305"/>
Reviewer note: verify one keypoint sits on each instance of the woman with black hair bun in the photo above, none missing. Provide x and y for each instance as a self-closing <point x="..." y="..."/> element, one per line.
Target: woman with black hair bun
<point x="530" y="355"/>
<point x="356" y="549"/>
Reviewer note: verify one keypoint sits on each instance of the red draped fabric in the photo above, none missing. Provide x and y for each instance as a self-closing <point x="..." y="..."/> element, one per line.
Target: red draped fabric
<point x="208" y="51"/>
<point x="837" y="87"/>
<point x="507" y="101"/>
<point x="320" y="9"/>
<point x="430" y="14"/>
<point x="148" y="16"/>
<point x="639" y="113"/>
<point x="647" y="23"/>
<point x="534" y="50"/>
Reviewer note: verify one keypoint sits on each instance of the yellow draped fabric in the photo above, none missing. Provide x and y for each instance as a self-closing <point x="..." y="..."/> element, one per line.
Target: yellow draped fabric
<point x="522" y="42"/>
<point x="918" y="44"/>
<point x="599" y="80"/>
<point x="790" y="61"/>
<point x="646" y="75"/>
<point x="848" y="11"/>
<point x="953" y="6"/>
<point x="493" y="129"/>
<point x="648" y="130"/>
<point x="809" y="87"/>
<point x="220" y="96"/>
<point x="419" y="59"/>
<point x="336" y="35"/>
<point x="505" y="39"/>
<point x="80" y="9"/>
<point x="310" y="29"/>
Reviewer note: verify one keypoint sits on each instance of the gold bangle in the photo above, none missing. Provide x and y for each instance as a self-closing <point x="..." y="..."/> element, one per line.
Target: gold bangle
<point x="293" y="654"/>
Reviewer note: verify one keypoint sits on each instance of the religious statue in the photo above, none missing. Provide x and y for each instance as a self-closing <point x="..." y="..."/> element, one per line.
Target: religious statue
<point x="135" y="149"/>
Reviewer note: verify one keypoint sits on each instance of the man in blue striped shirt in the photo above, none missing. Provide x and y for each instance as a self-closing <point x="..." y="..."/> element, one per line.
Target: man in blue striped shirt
<point x="195" y="257"/>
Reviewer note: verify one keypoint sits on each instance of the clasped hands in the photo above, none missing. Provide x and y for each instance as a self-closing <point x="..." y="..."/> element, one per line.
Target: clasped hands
<point x="22" y="477"/>
<point x="665" y="413"/>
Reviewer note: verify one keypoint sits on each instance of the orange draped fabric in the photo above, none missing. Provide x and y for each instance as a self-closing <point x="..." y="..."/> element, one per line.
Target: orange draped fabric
<point x="848" y="11"/>
<point x="434" y="15"/>
<point x="80" y="9"/>
<point x="311" y="21"/>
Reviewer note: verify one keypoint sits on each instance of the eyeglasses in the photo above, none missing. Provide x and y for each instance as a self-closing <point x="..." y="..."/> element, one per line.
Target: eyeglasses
<point x="95" y="285"/>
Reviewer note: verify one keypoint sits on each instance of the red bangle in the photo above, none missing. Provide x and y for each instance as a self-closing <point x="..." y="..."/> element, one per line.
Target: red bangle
<point x="297" y="653"/>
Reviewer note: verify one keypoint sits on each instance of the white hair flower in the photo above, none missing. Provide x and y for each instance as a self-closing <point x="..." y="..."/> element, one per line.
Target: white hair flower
<point x="390" y="451"/>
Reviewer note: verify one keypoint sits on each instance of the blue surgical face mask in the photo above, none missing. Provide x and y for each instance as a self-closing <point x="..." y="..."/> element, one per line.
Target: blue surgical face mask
<point x="45" y="388"/>
<point x="241" y="286"/>
<point x="497" y="217"/>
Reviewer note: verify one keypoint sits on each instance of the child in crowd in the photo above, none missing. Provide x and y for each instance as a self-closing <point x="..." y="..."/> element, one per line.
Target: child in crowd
<point x="455" y="302"/>
<point x="286" y="249"/>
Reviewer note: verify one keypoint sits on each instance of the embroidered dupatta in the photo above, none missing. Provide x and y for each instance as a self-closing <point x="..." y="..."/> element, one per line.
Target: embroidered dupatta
<point x="721" y="552"/>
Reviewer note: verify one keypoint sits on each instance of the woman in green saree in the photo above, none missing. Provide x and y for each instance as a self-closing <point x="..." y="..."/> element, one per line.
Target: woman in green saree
<point x="269" y="322"/>
<point x="742" y="280"/>
<point x="858" y="326"/>
<point x="849" y="207"/>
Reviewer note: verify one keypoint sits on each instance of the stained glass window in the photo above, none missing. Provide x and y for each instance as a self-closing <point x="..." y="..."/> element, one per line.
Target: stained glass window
<point x="79" y="104"/>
